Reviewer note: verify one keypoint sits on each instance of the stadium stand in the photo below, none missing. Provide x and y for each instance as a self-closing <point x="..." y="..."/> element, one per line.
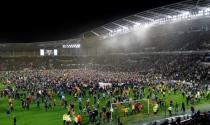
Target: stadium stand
<point x="188" y="119"/>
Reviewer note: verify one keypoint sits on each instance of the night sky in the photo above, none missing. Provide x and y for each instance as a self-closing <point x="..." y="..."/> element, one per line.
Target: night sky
<point x="37" y="23"/>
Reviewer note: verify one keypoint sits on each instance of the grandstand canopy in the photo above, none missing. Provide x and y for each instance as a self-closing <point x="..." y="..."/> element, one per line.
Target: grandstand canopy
<point x="148" y="16"/>
<point x="120" y="25"/>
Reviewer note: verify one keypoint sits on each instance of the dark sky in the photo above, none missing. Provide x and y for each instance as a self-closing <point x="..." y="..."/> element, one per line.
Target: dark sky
<point x="45" y="22"/>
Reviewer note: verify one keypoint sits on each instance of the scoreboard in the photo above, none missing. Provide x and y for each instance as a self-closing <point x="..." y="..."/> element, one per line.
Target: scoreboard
<point x="48" y="52"/>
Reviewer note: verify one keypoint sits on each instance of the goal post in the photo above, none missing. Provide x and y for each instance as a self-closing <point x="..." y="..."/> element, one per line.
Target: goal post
<point x="117" y="107"/>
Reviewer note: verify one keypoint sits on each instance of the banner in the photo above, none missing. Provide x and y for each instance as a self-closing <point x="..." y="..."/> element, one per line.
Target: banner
<point x="104" y="85"/>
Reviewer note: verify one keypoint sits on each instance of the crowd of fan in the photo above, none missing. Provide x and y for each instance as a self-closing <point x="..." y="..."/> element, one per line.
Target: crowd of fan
<point x="21" y="63"/>
<point x="41" y="86"/>
<point x="175" y="67"/>
<point x="135" y="72"/>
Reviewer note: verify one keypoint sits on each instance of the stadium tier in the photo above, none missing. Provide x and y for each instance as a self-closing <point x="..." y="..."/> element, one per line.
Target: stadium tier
<point x="150" y="68"/>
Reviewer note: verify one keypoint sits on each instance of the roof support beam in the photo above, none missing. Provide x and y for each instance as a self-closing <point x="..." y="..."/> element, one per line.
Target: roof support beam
<point x="196" y="6"/>
<point x="156" y="13"/>
<point x="131" y="21"/>
<point x="95" y="33"/>
<point x="146" y="18"/>
<point x="107" y="29"/>
<point x="197" y="3"/>
<point x="119" y="25"/>
<point x="178" y="11"/>
<point x="187" y="5"/>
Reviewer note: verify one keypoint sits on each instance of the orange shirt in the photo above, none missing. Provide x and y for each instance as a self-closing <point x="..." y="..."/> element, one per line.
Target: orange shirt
<point x="79" y="118"/>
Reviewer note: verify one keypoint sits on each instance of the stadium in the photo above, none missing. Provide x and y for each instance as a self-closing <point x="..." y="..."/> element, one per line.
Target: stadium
<point x="149" y="68"/>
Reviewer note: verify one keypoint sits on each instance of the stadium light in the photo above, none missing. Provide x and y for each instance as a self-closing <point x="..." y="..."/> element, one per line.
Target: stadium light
<point x="207" y="9"/>
<point x="146" y="25"/>
<point x="125" y="28"/>
<point x="119" y="30"/>
<point x="200" y="12"/>
<point x="186" y="13"/>
<point x="136" y="25"/>
<point x="169" y="17"/>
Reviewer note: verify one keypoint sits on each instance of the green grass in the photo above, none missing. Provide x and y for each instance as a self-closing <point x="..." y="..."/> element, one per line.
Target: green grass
<point x="202" y="105"/>
<point x="144" y="118"/>
<point x="1" y="86"/>
<point x="37" y="116"/>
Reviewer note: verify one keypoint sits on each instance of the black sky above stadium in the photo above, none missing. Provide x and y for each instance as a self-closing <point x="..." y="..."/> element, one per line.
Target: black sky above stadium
<point x="46" y="22"/>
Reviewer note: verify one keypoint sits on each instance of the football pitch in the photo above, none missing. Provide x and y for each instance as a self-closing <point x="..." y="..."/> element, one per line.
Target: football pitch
<point x="38" y="116"/>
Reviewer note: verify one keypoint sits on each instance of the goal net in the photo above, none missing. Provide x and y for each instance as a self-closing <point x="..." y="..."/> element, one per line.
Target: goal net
<point x="131" y="107"/>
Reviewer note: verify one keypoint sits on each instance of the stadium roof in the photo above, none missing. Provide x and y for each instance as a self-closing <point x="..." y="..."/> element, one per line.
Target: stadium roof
<point x="156" y="14"/>
<point x="126" y="24"/>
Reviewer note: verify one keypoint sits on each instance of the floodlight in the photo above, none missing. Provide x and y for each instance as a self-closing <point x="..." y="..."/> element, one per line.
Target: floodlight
<point x="125" y="28"/>
<point x="169" y="16"/>
<point x="186" y="13"/>
<point x="207" y="9"/>
<point x="119" y="30"/>
<point x="137" y="24"/>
